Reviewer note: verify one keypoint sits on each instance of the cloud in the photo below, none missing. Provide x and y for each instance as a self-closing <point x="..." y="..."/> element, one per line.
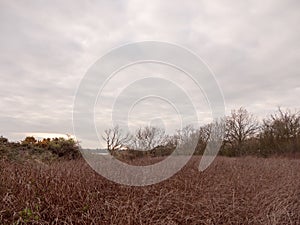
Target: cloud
<point x="47" y="47"/>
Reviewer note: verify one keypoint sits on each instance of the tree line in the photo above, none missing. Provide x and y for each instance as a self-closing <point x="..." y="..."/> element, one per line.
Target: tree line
<point x="244" y="134"/>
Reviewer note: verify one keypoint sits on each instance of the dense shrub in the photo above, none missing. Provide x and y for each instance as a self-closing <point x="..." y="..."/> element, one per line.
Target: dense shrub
<point x="45" y="150"/>
<point x="281" y="133"/>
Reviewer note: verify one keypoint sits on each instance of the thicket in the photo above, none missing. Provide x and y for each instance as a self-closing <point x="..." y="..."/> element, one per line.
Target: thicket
<point x="46" y="149"/>
<point x="279" y="134"/>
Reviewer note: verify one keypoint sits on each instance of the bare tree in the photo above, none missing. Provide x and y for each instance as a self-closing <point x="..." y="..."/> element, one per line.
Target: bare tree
<point x="116" y="139"/>
<point x="283" y="124"/>
<point x="240" y="125"/>
<point x="149" y="137"/>
<point x="187" y="139"/>
<point x="281" y="132"/>
<point x="205" y="132"/>
<point x="211" y="136"/>
<point x="185" y="135"/>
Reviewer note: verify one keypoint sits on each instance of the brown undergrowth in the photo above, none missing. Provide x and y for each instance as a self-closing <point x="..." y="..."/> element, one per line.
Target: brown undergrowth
<point x="231" y="191"/>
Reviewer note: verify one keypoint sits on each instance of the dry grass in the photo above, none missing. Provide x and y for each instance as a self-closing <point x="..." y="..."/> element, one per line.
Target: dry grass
<point x="231" y="191"/>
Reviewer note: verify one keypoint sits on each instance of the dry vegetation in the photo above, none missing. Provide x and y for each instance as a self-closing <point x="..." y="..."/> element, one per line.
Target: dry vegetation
<point x="231" y="191"/>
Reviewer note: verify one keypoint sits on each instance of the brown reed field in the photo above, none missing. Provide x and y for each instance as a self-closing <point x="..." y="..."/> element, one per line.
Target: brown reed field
<point x="244" y="190"/>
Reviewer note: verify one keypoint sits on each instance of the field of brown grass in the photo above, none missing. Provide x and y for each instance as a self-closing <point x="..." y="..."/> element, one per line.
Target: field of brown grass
<point x="230" y="191"/>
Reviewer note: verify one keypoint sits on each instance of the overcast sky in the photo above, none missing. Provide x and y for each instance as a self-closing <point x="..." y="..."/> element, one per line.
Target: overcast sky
<point x="46" y="47"/>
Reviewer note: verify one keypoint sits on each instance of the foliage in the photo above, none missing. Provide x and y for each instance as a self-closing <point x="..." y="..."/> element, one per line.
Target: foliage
<point x="46" y="149"/>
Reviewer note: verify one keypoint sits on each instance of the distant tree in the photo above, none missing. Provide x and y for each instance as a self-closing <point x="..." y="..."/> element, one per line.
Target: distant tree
<point x="185" y="135"/>
<point x="203" y="135"/>
<point x="240" y="126"/>
<point x="213" y="136"/>
<point x="281" y="132"/>
<point x="190" y="139"/>
<point x="116" y="139"/>
<point x="149" y="137"/>
<point x="283" y="125"/>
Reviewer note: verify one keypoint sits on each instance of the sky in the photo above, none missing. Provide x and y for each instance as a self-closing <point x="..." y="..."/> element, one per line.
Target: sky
<point x="46" y="48"/>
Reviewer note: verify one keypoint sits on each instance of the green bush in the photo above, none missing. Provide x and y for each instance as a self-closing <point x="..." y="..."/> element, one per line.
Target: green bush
<point x="45" y="150"/>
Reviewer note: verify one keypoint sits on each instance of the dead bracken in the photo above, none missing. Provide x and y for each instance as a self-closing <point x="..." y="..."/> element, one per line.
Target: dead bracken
<point x="244" y="190"/>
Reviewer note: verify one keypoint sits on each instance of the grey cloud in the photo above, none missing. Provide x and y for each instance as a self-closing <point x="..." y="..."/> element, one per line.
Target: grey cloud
<point x="46" y="48"/>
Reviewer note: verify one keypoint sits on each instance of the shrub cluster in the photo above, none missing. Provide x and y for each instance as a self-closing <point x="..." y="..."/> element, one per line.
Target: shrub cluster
<point x="46" y="149"/>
